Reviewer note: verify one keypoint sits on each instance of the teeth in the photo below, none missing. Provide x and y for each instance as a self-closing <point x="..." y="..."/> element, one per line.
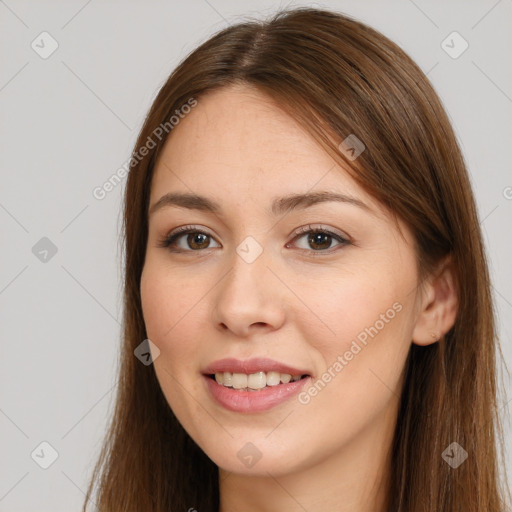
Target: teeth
<point x="225" y="379"/>
<point x="239" y="380"/>
<point x="273" y="378"/>
<point x="254" y="381"/>
<point x="257" y="380"/>
<point x="285" y="378"/>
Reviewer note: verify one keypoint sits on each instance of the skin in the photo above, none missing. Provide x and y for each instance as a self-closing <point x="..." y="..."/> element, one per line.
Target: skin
<point x="294" y="304"/>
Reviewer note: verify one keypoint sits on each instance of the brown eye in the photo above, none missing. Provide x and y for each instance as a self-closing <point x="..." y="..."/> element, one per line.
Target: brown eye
<point x="187" y="240"/>
<point x="319" y="240"/>
<point x="198" y="241"/>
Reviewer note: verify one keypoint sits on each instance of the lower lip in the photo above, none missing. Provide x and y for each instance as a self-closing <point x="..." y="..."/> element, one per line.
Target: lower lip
<point x="254" y="401"/>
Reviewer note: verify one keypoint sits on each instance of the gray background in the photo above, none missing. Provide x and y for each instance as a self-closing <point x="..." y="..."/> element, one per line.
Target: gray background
<point x="69" y="122"/>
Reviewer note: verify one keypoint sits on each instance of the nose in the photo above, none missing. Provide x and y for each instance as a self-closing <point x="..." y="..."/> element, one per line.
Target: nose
<point x="249" y="300"/>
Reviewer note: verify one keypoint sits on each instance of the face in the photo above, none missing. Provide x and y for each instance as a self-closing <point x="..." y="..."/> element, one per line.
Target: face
<point x="322" y="290"/>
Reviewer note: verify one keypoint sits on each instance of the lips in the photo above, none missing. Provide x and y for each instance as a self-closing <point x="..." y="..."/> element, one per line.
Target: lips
<point x="238" y="385"/>
<point x="236" y="400"/>
<point x="254" y="365"/>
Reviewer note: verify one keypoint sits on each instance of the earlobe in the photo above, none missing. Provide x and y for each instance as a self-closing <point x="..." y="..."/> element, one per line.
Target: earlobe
<point x="439" y="306"/>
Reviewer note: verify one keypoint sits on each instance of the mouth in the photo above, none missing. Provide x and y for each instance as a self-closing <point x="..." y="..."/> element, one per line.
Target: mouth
<point x="253" y="385"/>
<point x="254" y="381"/>
<point x="245" y="399"/>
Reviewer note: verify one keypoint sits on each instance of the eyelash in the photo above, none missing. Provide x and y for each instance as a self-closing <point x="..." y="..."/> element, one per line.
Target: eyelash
<point x="186" y="230"/>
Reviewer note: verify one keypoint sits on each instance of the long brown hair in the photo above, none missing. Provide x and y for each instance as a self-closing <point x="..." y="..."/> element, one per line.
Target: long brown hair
<point x="337" y="77"/>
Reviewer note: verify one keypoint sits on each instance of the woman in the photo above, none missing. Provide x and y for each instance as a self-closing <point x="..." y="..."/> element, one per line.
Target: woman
<point x="306" y="290"/>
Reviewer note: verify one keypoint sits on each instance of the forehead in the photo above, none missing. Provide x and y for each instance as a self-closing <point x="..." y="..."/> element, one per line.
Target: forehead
<point x="237" y="142"/>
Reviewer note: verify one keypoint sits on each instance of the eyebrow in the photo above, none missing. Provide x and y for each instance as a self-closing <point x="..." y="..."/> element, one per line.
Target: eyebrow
<point x="279" y="206"/>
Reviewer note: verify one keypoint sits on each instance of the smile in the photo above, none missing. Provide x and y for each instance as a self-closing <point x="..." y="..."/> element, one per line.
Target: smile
<point x="254" y="381"/>
<point x="248" y="400"/>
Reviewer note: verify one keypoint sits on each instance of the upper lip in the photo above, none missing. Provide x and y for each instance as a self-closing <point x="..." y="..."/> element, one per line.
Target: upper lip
<point x="254" y="365"/>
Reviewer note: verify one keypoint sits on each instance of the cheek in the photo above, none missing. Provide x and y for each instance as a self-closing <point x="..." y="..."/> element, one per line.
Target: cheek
<point x="365" y="339"/>
<point x="167" y="300"/>
<point x="360" y="381"/>
<point x="350" y="307"/>
<point x="170" y="315"/>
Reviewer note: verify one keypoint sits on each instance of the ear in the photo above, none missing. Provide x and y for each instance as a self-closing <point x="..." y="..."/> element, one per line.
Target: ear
<point x="439" y="305"/>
